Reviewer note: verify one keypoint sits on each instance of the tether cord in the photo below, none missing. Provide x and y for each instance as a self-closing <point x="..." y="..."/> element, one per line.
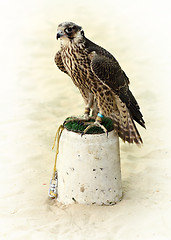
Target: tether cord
<point x="57" y="137"/>
<point x="53" y="185"/>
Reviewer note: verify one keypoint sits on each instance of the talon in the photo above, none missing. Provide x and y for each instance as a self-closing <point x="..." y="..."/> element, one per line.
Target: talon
<point x="82" y="133"/>
<point x="103" y="128"/>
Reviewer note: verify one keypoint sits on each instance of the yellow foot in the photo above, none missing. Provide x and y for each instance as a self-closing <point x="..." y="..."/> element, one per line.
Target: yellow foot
<point x="95" y="124"/>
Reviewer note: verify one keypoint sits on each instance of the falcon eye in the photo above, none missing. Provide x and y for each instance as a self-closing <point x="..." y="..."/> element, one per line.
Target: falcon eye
<point x="68" y="30"/>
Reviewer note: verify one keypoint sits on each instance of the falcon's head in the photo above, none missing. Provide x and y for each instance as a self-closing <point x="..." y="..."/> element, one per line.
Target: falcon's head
<point x="69" y="31"/>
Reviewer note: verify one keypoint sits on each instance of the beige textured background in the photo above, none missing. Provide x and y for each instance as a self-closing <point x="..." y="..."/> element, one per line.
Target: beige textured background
<point x="35" y="98"/>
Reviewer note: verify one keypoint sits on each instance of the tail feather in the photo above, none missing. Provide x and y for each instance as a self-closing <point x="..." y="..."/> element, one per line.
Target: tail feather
<point x="124" y="125"/>
<point x="129" y="133"/>
<point x="135" y="110"/>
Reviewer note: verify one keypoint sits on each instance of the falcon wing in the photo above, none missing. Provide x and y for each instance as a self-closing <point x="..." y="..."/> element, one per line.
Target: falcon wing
<point x="59" y="62"/>
<point x="108" y="70"/>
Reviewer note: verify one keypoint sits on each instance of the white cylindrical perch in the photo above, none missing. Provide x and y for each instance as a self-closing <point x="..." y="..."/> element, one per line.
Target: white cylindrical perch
<point x="89" y="169"/>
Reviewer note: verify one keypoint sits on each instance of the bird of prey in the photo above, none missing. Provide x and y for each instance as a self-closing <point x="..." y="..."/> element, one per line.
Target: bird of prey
<point x="102" y="83"/>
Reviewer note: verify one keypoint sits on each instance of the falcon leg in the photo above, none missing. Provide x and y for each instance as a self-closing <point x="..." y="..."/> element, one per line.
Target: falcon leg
<point x="83" y="118"/>
<point x="96" y="123"/>
<point x="86" y="117"/>
<point x="89" y="105"/>
<point x="95" y="109"/>
<point x="87" y="113"/>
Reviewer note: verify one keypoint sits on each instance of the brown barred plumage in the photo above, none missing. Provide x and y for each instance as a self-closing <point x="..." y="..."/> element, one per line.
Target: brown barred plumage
<point x="100" y="79"/>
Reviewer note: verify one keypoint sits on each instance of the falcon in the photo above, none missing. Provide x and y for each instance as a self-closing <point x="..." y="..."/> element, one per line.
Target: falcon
<point x="102" y="83"/>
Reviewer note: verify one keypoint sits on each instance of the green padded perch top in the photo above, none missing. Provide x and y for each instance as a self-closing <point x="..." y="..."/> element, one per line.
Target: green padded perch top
<point x="79" y="126"/>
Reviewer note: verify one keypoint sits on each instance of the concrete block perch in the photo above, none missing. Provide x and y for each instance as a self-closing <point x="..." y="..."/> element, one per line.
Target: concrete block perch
<point x="88" y="168"/>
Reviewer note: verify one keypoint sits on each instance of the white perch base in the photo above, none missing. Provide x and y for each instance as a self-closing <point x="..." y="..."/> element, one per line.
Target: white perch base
<point x="89" y="169"/>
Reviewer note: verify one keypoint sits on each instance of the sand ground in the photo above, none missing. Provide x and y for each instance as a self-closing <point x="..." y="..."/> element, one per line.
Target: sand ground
<point x="35" y="98"/>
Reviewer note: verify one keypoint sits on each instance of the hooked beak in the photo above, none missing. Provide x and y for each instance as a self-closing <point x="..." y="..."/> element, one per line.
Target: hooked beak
<point x="59" y="34"/>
